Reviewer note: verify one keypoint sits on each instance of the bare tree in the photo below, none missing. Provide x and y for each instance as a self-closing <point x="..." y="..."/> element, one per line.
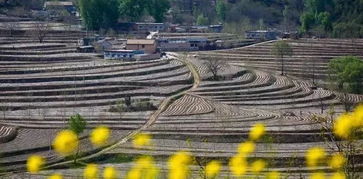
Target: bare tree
<point x="214" y="66"/>
<point x="41" y="30"/>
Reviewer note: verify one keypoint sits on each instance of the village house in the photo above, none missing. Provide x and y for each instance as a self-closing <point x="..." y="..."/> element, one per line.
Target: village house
<point x="59" y="6"/>
<point x="141" y="27"/>
<point x="261" y="35"/>
<point x="150" y="27"/>
<point x="182" y="43"/>
<point x="122" y="54"/>
<point x="146" y="45"/>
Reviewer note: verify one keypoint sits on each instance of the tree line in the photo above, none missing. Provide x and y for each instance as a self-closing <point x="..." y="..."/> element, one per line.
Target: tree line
<point x="328" y="18"/>
<point x="104" y="14"/>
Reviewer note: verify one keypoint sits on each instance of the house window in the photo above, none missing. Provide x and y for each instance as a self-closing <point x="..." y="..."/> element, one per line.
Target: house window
<point x="142" y="46"/>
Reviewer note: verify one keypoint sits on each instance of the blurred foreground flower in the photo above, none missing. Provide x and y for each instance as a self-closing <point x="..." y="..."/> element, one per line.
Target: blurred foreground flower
<point x="66" y="142"/>
<point x="343" y="126"/>
<point x="144" y="168"/>
<point x="257" y="131"/>
<point x="338" y="175"/>
<point x="212" y="169"/>
<point x="238" y="165"/>
<point x="90" y="172"/>
<point x="141" y="140"/>
<point x="246" y="148"/>
<point x="317" y="175"/>
<point x="314" y="156"/>
<point x="56" y="176"/>
<point x="257" y="166"/>
<point x="34" y="163"/>
<point x="273" y="175"/>
<point x="100" y="135"/>
<point x="337" y="161"/>
<point x="346" y="124"/>
<point x="179" y="165"/>
<point x="110" y="173"/>
<point x="358" y="116"/>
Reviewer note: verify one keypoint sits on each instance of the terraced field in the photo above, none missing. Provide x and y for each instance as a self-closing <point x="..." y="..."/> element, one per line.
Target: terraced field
<point x="309" y="59"/>
<point x="42" y="85"/>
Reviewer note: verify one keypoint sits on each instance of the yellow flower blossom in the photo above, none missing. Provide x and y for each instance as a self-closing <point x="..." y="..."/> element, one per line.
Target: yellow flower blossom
<point x="55" y="176"/>
<point x="90" y="172"/>
<point x="338" y="175"/>
<point x="238" y="165"/>
<point x="134" y="173"/>
<point x="179" y="165"/>
<point x="144" y="168"/>
<point x="66" y="142"/>
<point x="141" y="140"/>
<point x="337" y="161"/>
<point x="246" y="148"/>
<point x="212" y="169"/>
<point x="258" y="165"/>
<point x="109" y="173"/>
<point x="34" y="163"/>
<point x="273" y="175"/>
<point x="100" y="135"/>
<point x="358" y="116"/>
<point x="317" y="175"/>
<point x="343" y="126"/>
<point x="257" y="131"/>
<point x="314" y="156"/>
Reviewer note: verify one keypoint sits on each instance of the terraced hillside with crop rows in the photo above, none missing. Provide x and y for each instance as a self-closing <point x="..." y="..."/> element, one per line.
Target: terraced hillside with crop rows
<point x="43" y="84"/>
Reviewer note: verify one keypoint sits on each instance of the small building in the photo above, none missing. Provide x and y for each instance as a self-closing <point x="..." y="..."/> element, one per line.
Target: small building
<point x="215" y="28"/>
<point x="198" y="29"/>
<point x="60" y="5"/>
<point x="121" y="54"/>
<point x="149" y="27"/>
<point x="86" y="49"/>
<point x="182" y="43"/>
<point x="146" y="45"/>
<point x="261" y="35"/>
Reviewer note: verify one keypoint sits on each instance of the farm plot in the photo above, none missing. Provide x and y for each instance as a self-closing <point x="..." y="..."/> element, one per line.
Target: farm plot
<point x="309" y="59"/>
<point x="210" y="119"/>
<point x="45" y="83"/>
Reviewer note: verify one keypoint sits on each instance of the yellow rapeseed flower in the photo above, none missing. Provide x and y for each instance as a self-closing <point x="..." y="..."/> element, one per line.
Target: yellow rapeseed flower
<point x="314" y="156"/>
<point x="273" y="175"/>
<point x="358" y="116"/>
<point x="66" y="142"/>
<point x="179" y="165"/>
<point x="34" y="163"/>
<point x="212" y="169"/>
<point x="180" y="158"/>
<point x="100" y="135"/>
<point x="141" y="140"/>
<point x="238" y="165"/>
<point x="257" y="131"/>
<point x="343" y="126"/>
<point x="90" y="172"/>
<point x="317" y="175"/>
<point x="109" y="173"/>
<point x="337" y="161"/>
<point x="55" y="176"/>
<point x="134" y="173"/>
<point x="246" y="148"/>
<point x="258" y="165"/>
<point x="338" y="175"/>
<point x="144" y="168"/>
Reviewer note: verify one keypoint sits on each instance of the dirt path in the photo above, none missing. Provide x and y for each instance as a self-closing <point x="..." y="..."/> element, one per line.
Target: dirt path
<point x="163" y="106"/>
